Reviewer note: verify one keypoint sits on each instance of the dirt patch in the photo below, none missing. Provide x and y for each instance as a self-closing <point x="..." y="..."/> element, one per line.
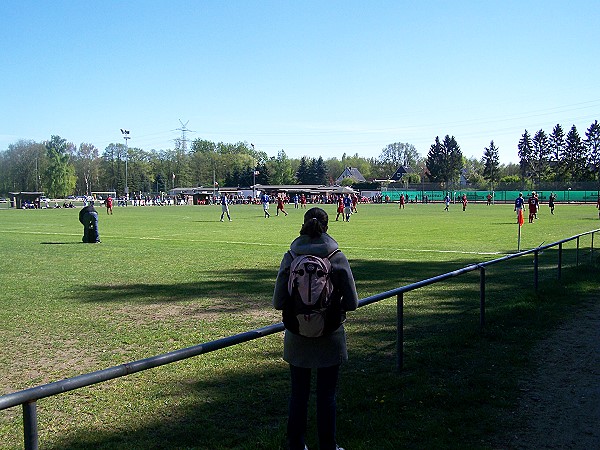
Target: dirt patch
<point x="560" y="402"/>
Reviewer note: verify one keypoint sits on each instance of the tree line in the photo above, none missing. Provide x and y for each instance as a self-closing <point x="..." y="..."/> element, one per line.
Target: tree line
<point x="60" y="168"/>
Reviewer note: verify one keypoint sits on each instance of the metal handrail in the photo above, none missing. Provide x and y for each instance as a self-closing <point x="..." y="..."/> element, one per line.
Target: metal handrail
<point x="28" y="397"/>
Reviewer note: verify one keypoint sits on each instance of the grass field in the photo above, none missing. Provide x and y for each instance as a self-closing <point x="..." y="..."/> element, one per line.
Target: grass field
<point x="166" y="278"/>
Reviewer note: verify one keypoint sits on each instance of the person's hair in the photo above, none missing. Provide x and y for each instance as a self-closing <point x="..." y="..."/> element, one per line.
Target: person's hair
<point x="315" y="222"/>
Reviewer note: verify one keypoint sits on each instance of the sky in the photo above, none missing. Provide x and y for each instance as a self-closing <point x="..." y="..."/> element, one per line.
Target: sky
<point x="311" y="78"/>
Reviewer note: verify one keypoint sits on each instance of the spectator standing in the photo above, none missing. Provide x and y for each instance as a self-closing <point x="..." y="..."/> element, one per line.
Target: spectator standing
<point x="88" y="216"/>
<point x="324" y="353"/>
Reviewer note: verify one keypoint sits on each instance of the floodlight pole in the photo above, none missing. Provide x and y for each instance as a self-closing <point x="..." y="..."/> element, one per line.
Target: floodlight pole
<point x="126" y="137"/>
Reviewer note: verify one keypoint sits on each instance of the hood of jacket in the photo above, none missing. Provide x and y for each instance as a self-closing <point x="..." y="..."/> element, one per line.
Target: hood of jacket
<point x="321" y="246"/>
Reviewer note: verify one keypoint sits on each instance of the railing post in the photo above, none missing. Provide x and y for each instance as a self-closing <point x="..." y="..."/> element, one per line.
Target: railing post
<point x="400" y="332"/>
<point x="577" y="253"/>
<point x="30" y="431"/>
<point x="559" y="259"/>
<point x="481" y="297"/>
<point x="535" y="269"/>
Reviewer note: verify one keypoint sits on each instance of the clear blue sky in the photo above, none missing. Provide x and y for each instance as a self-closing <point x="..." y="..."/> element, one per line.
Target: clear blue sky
<point x="309" y="77"/>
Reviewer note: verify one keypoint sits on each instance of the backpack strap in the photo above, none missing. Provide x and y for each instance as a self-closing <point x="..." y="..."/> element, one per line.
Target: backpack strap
<point x="333" y="253"/>
<point x="294" y="254"/>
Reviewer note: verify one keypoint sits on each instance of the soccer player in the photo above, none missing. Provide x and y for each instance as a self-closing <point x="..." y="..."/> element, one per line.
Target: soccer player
<point x="109" y="205"/>
<point x="402" y="201"/>
<point x="265" y="203"/>
<point x="225" y="207"/>
<point x="531" y="202"/>
<point x="280" y="206"/>
<point x="551" y="202"/>
<point x="519" y="203"/>
<point x="447" y="202"/>
<point x="347" y="207"/>
<point x="464" y="202"/>
<point x="340" y="208"/>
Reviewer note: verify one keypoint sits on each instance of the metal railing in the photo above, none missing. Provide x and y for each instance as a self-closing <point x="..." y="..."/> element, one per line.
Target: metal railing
<point x="28" y="397"/>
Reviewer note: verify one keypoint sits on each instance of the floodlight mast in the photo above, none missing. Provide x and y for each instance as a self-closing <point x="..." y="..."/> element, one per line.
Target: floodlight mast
<point x="126" y="136"/>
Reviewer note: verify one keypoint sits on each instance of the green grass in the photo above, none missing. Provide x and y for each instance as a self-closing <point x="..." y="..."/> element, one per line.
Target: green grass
<point x="168" y="278"/>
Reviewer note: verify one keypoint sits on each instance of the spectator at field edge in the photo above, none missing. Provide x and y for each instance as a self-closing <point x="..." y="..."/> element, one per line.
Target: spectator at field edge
<point x="88" y="216"/>
<point x="325" y="353"/>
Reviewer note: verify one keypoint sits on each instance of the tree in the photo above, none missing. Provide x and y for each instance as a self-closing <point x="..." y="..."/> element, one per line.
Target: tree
<point x="557" y="148"/>
<point x="444" y="160"/>
<point x="280" y="169"/>
<point x="396" y="155"/>
<point x="87" y="164"/>
<point x="23" y="167"/>
<point x="320" y="171"/>
<point x="112" y="168"/>
<point x="303" y="173"/>
<point x="473" y="171"/>
<point x="335" y="167"/>
<point x="525" y="148"/>
<point x="575" y="156"/>
<point x="540" y="156"/>
<point x="592" y="142"/>
<point x="491" y="164"/>
<point x="60" y="173"/>
<point x="436" y="161"/>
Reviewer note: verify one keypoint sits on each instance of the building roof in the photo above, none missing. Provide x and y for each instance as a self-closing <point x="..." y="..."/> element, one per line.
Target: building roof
<point x="351" y="172"/>
<point x="399" y="173"/>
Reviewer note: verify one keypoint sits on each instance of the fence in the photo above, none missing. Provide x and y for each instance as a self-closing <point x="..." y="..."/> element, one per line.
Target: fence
<point x="28" y="397"/>
<point x="501" y="196"/>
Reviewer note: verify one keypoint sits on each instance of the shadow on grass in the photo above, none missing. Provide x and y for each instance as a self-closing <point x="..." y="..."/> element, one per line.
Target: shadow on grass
<point x="373" y="276"/>
<point x="456" y="381"/>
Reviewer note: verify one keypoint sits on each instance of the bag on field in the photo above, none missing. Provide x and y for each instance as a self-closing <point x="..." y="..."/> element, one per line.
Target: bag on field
<point x="311" y="312"/>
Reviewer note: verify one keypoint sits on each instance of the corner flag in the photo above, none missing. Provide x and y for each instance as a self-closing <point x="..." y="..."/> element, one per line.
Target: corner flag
<point x="520" y="218"/>
<point x="521" y="221"/>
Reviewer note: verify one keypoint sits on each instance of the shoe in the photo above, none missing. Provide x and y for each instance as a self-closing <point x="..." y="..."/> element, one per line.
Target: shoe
<point x="221" y="220"/>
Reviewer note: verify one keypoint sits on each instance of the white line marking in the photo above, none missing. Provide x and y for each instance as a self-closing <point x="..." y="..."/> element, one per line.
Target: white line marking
<point x="259" y="244"/>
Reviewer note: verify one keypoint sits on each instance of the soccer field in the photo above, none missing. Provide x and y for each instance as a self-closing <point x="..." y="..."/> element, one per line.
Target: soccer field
<point x="166" y="278"/>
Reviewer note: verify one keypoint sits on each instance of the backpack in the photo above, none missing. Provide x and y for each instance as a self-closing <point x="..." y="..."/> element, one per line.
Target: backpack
<point x="311" y="311"/>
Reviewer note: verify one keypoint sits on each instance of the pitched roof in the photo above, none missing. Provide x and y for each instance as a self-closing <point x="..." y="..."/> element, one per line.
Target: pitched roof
<point x="399" y="173"/>
<point x="351" y="172"/>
